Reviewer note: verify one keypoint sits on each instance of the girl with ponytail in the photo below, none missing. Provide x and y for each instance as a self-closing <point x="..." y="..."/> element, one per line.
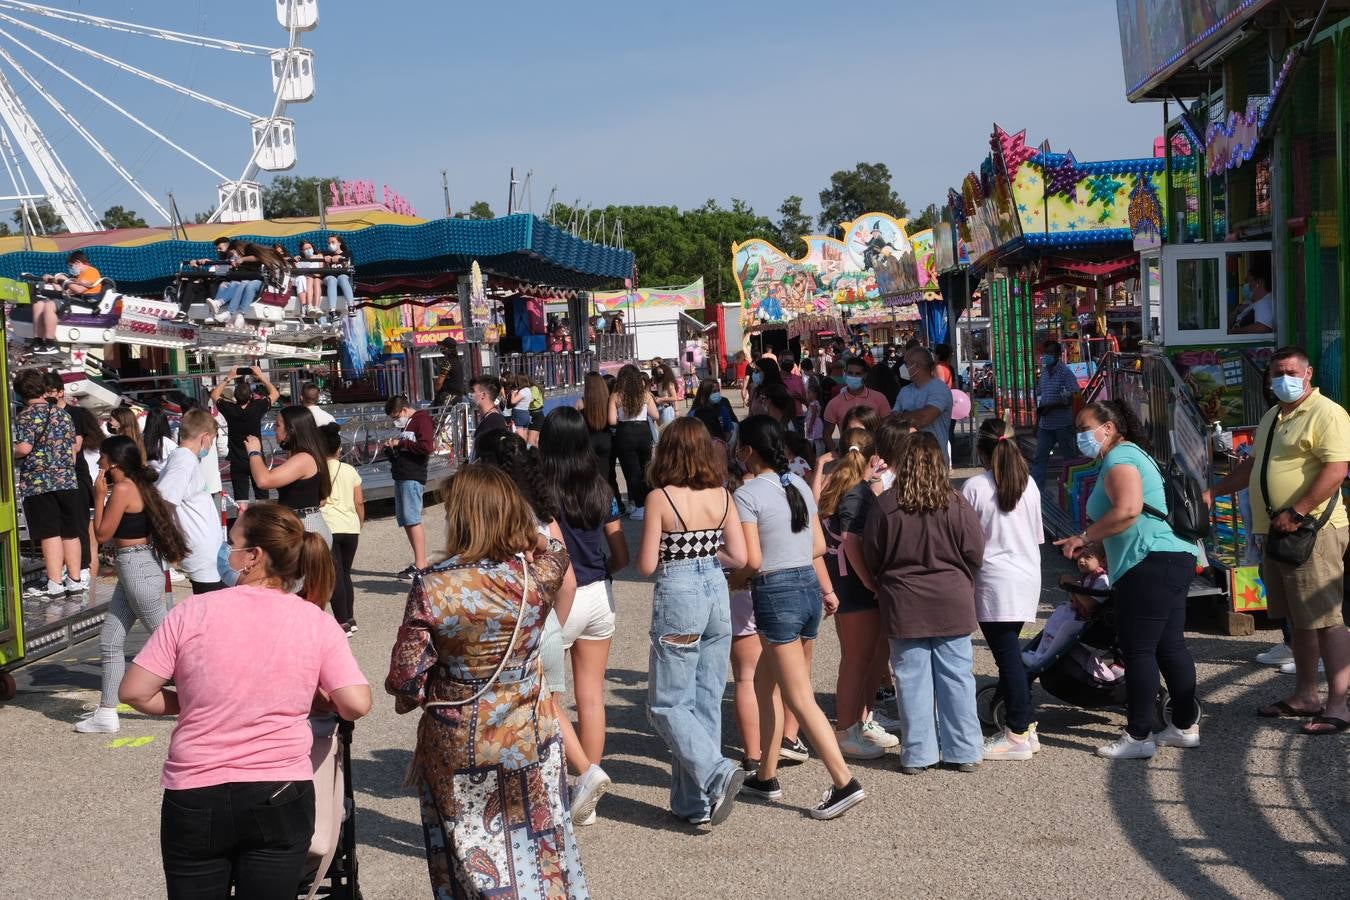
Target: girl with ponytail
<point x="129" y="513"/>
<point x="249" y="663"/>
<point x="845" y="500"/>
<point x="785" y="548"/>
<point x="1008" y="586"/>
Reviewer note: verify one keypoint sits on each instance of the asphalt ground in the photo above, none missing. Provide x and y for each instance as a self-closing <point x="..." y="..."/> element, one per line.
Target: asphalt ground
<point x="1257" y="810"/>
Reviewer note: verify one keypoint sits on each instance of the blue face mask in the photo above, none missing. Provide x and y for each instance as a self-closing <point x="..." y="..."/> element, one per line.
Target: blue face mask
<point x="1247" y="293"/>
<point x="1088" y="445"/>
<point x="1287" y="388"/>
<point x="853" y="382"/>
<point x="715" y="398"/>
<point x="228" y="575"/>
<point x="756" y="378"/>
<point x="1047" y="360"/>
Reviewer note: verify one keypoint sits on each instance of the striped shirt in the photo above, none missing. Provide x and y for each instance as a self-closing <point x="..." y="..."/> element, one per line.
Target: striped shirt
<point x="1058" y="385"/>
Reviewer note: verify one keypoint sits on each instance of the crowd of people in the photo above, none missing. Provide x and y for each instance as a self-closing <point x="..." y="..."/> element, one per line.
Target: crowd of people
<point x="830" y="500"/>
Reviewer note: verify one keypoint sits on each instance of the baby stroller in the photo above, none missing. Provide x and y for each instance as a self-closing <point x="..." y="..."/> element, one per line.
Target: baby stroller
<point x="340" y="882"/>
<point x="1064" y="676"/>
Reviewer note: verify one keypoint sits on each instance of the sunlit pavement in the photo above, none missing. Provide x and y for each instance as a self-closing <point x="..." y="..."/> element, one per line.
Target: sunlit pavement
<point x="1257" y="810"/>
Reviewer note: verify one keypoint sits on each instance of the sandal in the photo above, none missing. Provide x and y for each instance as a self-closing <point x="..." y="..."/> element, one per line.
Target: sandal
<point x="1319" y="725"/>
<point x="1282" y="710"/>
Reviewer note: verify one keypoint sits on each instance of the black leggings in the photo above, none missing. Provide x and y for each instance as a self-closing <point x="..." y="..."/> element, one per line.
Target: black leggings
<point x="602" y="445"/>
<point x="240" y="482"/>
<point x="1150" y="604"/>
<point x="633" y="449"/>
<point x="1004" y="640"/>
<point x="344" y="596"/>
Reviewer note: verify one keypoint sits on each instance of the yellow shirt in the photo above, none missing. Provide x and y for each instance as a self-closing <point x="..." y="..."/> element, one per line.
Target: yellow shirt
<point x="1317" y="432"/>
<point x="339" y="510"/>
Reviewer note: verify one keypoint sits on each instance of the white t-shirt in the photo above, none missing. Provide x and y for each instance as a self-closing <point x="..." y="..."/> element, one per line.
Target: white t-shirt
<point x="211" y="469"/>
<point x="321" y="416"/>
<point x="166" y="447"/>
<point x="181" y="484"/>
<point x="1008" y="585"/>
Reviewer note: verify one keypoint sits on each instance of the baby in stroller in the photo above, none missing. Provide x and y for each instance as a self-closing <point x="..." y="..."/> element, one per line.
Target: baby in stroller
<point x="1064" y="630"/>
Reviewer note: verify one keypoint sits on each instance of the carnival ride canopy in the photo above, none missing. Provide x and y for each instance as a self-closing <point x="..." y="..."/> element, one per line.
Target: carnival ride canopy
<point x="877" y="265"/>
<point x="384" y="245"/>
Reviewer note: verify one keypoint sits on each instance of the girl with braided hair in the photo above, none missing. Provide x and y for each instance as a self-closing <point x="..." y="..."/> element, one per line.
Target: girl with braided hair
<point x="785" y="548"/>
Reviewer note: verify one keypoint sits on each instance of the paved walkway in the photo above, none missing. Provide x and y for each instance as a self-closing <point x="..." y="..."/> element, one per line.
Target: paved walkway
<point x="1257" y="810"/>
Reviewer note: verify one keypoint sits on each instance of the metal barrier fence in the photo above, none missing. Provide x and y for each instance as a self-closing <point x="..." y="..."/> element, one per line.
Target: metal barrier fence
<point x="615" y="347"/>
<point x="550" y="370"/>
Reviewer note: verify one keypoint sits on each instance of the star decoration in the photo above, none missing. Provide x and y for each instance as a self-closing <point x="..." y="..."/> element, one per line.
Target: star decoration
<point x="1062" y="178"/>
<point x="1103" y="190"/>
<point x="1013" y="149"/>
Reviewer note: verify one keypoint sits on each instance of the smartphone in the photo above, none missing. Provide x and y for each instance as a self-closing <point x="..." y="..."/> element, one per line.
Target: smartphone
<point x="243" y="370"/>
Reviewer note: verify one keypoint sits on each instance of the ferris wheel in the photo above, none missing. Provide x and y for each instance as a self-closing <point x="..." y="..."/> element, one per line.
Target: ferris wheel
<point x="63" y="62"/>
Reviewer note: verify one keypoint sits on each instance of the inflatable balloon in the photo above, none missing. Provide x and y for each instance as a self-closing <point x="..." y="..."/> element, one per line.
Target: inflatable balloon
<point x="960" y="404"/>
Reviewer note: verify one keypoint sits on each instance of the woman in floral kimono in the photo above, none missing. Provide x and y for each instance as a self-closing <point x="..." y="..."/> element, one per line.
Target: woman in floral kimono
<point x="489" y="763"/>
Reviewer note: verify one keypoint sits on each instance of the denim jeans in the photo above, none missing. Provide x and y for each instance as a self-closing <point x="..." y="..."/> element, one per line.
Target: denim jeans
<point x="1065" y="440"/>
<point x="788" y="604"/>
<point x="1005" y="642"/>
<point x="252" y="834"/>
<point x="244" y="297"/>
<point x="686" y="678"/>
<point x="331" y="282"/>
<point x="1150" y="601"/>
<point x="935" y="696"/>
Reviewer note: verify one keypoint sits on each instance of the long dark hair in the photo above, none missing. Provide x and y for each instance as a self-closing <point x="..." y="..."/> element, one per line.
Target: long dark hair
<point x="1120" y="415"/>
<point x="571" y="466"/>
<point x="997" y="446"/>
<point x="302" y="436"/>
<point x="772" y="373"/>
<point x="595" y="401"/>
<point x="153" y="434"/>
<point x="164" y="534"/>
<point x="764" y="435"/>
<point x="632" y="393"/>
<point x="86" y="426"/>
<point x="509" y="453"/>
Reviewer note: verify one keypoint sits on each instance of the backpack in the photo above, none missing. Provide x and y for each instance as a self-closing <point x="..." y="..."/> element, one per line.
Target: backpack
<point x="1186" y="510"/>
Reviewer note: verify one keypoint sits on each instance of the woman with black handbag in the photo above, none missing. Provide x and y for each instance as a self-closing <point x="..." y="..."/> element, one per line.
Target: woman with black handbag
<point x="1151" y="570"/>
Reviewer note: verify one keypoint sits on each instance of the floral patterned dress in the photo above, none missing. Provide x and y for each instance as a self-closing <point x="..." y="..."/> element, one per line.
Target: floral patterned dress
<point x="490" y="775"/>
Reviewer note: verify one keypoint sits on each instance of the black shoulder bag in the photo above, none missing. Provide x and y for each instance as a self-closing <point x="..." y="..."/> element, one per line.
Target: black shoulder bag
<point x="1293" y="548"/>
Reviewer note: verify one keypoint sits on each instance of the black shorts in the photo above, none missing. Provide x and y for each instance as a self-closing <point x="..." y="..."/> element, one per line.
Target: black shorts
<point x="60" y="514"/>
<point x="536" y="419"/>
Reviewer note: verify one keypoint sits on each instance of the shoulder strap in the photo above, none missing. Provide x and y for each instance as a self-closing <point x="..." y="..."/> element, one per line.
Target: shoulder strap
<point x="510" y="647"/>
<point x="675" y="510"/>
<point x="726" y="507"/>
<point x="1265" y="491"/>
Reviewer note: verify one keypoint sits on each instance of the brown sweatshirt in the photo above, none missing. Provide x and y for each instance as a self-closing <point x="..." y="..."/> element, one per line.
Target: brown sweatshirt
<point x="924" y="565"/>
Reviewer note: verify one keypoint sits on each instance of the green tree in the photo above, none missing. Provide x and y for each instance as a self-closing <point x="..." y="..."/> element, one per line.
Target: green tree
<point x="864" y="189"/>
<point x="929" y="218"/>
<point x="49" y="221"/>
<point x="202" y="218"/>
<point x="121" y="217"/>
<point x="480" y="209"/>
<point x="793" y="224"/>
<point x="294" y="197"/>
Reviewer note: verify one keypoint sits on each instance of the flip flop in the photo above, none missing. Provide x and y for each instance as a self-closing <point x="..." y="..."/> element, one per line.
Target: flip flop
<point x="1338" y="725"/>
<point x="1282" y="710"/>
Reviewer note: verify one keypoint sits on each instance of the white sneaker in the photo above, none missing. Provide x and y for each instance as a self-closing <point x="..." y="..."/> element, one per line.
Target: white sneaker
<point x="875" y="734"/>
<point x="1172" y="736"/>
<point x="239" y="321"/>
<point x="636" y="514"/>
<point x="222" y="317"/>
<point x="1289" y="668"/>
<point x="85" y="579"/>
<point x="1126" y="747"/>
<point x="1280" y="653"/>
<point x="854" y="746"/>
<point x="1009" y="745"/>
<point x="885" y="722"/>
<point x="71" y="587"/>
<point x="590" y="787"/>
<point x="101" y="721"/>
<point x="1033" y="738"/>
<point x="50" y="590"/>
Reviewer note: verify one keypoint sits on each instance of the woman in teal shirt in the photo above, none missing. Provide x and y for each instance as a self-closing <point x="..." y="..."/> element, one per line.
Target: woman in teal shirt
<point x="1151" y="570"/>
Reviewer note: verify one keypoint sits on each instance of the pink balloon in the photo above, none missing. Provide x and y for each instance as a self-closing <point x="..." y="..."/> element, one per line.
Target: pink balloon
<point x="960" y="404"/>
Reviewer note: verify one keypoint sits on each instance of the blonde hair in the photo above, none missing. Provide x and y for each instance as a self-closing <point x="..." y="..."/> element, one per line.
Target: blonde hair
<point x="195" y="423"/>
<point x="922" y="482"/>
<point x="486" y="517"/>
<point x="849" y="470"/>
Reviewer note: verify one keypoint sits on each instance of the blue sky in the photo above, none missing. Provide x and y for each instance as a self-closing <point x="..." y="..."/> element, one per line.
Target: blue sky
<point x="611" y="102"/>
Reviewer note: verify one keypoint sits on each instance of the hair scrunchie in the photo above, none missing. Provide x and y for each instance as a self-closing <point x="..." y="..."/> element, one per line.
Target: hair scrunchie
<point x="785" y="479"/>
<point x="854" y="449"/>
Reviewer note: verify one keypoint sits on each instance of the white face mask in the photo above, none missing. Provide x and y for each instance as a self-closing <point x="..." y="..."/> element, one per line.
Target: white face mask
<point x="887" y="480"/>
<point x="402" y="422"/>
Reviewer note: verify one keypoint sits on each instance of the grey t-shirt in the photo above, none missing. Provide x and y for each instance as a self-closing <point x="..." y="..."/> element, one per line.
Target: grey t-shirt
<point x="763" y="500"/>
<point x="914" y="398"/>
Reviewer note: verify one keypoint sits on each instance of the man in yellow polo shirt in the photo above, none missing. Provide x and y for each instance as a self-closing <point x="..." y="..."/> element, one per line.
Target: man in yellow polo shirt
<point x="1307" y="438"/>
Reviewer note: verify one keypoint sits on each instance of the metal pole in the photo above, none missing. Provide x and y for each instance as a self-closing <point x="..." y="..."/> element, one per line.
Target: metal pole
<point x="445" y="189"/>
<point x="323" y="210"/>
<point x="511" y="193"/>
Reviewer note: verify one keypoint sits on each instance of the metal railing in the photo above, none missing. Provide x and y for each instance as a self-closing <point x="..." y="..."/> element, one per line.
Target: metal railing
<point x="551" y="370"/>
<point x="615" y="347"/>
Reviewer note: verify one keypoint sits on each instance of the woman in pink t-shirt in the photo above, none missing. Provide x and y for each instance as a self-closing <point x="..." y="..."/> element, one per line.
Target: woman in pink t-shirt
<point x="248" y="663"/>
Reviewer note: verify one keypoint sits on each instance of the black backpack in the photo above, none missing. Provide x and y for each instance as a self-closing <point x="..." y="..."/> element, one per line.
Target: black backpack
<point x="1186" y="510"/>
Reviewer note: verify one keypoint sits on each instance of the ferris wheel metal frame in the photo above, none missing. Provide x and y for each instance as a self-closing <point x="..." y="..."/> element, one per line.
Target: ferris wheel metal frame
<point x="238" y="199"/>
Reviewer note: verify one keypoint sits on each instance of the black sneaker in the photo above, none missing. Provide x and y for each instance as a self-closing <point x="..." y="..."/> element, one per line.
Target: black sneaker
<point x="751" y="766"/>
<point x="408" y="573"/>
<point x="794" y="750"/>
<point x="964" y="768"/>
<point x="913" y="770"/>
<point x="722" y="803"/>
<point x="884" y="695"/>
<point x="839" y="800"/>
<point x="763" y="790"/>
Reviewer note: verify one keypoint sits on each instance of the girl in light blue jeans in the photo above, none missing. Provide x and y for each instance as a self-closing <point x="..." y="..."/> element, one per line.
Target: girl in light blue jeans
<point x="686" y="543"/>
